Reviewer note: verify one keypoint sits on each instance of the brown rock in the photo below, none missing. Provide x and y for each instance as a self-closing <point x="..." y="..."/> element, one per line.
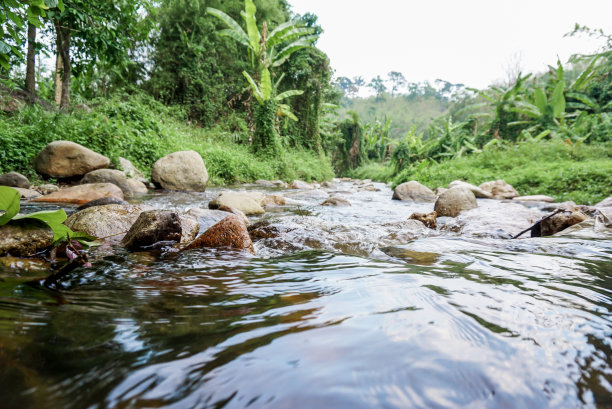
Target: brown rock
<point x="454" y="201"/>
<point x="102" y="202"/>
<point x="246" y="202"/>
<point x="63" y="159"/>
<point x="230" y="232"/>
<point x="183" y="171"/>
<point x="298" y="184"/>
<point x="152" y="227"/>
<point x="273" y="200"/>
<point x="569" y="216"/>
<point x="414" y="191"/>
<point x="103" y="221"/>
<point x="428" y="219"/>
<point x="478" y="192"/>
<point x="113" y="176"/>
<point x="24" y="239"/>
<point x="336" y="201"/>
<point x="499" y="189"/>
<point x="82" y="193"/>
<point x="14" y="179"/>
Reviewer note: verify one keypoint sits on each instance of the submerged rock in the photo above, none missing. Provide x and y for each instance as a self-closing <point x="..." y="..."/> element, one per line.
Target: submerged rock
<point x="298" y="184"/>
<point x="151" y="227"/>
<point x="116" y="177"/>
<point x="454" y="201"/>
<point x="103" y="221"/>
<point x="336" y="201"/>
<point x="14" y="179"/>
<point x="428" y="219"/>
<point x="478" y="192"/>
<point x="206" y="217"/>
<point x="246" y="202"/>
<point x="24" y="239"/>
<point x="565" y="218"/>
<point x="230" y="232"/>
<point x="184" y="170"/>
<point x="64" y="159"/>
<point x="414" y="191"/>
<point x="82" y="193"/>
<point x="273" y="200"/>
<point x="499" y="189"/>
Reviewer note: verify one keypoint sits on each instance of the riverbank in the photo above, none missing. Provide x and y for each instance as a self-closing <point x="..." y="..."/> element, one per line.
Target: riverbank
<point x="582" y="174"/>
<point x="144" y="130"/>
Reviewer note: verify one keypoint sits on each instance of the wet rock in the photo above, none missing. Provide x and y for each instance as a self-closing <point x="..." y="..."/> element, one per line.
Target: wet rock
<point x="298" y="184"/>
<point x="24" y="239"/>
<point x="370" y="188"/>
<point x="273" y="200"/>
<point x="14" y="179"/>
<point x="597" y="227"/>
<point x="116" y="177"/>
<point x="454" y="201"/>
<point x="27" y="194"/>
<point x="499" y="189"/>
<point x="414" y="191"/>
<point x="103" y="221"/>
<point x="534" y="198"/>
<point x="280" y="183"/>
<point x="336" y="201"/>
<point x="82" y="194"/>
<point x="328" y="185"/>
<point x="440" y="190"/>
<point x="102" y="202"/>
<point x="428" y="219"/>
<point x="243" y="201"/>
<point x="47" y="188"/>
<point x="64" y="159"/>
<point x="605" y="203"/>
<point x="206" y="217"/>
<point x="230" y="232"/>
<point x="190" y="228"/>
<point x="478" y="192"/>
<point x="152" y="227"/>
<point x="131" y="172"/>
<point x="263" y="182"/>
<point x="182" y="170"/>
<point x="557" y="222"/>
<point x="411" y="256"/>
<point x="138" y="188"/>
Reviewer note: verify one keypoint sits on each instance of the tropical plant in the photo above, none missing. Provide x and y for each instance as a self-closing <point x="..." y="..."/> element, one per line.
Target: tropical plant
<point x="377" y="139"/>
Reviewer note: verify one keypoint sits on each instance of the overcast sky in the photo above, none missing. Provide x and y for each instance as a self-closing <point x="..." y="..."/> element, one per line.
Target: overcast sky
<point x="461" y="41"/>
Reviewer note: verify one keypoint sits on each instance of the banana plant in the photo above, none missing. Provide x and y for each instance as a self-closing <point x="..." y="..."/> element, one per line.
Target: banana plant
<point x="266" y="91"/>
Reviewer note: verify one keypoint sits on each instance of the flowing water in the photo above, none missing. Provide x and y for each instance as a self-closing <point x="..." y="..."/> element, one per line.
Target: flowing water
<point x="347" y="307"/>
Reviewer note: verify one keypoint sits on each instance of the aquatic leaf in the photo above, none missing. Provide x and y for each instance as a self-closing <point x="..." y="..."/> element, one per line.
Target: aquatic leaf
<point x="9" y="203"/>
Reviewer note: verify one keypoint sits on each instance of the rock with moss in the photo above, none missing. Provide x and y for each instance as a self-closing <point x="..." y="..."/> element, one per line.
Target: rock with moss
<point x="65" y="159"/>
<point x="153" y="227"/>
<point x="24" y="239"/>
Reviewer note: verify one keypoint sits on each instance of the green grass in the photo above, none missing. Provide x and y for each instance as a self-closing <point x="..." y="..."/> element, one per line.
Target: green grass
<point x="143" y="130"/>
<point x="583" y="175"/>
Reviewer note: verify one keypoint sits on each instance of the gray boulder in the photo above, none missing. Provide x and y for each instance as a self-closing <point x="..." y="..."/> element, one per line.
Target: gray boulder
<point x="184" y="170"/>
<point x="454" y="201"/>
<point x="116" y="177"/>
<point x="138" y="188"/>
<point x="152" y="227"/>
<point x="414" y="191"/>
<point x="104" y="221"/>
<point x="247" y="202"/>
<point x="499" y="189"/>
<point x="14" y="179"/>
<point x="24" y="239"/>
<point x="478" y="192"/>
<point x="63" y="159"/>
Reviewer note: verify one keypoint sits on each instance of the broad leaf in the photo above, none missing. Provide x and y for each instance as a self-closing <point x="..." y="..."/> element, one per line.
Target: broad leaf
<point x="231" y="23"/>
<point x="251" y="24"/>
<point x="288" y="94"/>
<point x="254" y="88"/>
<point x="285" y="110"/>
<point x="266" y="84"/>
<point x="558" y="100"/>
<point x="585" y="99"/>
<point x="540" y="100"/>
<point x="228" y="32"/>
<point x="9" y="204"/>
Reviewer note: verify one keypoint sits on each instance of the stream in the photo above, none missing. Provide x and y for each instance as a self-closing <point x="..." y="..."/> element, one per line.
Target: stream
<point x="341" y="307"/>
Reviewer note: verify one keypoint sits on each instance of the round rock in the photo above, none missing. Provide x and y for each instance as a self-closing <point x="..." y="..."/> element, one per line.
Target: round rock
<point x="63" y="159"/>
<point x="116" y="177"/>
<point x="184" y="170"/>
<point x="414" y="191"/>
<point x="454" y="201"/>
<point x="14" y="179"/>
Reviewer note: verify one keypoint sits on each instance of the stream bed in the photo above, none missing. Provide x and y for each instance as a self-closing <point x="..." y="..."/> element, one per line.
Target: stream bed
<point x="341" y="307"/>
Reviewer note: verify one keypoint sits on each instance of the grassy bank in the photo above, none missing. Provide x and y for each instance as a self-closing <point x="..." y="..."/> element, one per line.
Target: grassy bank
<point x="143" y="130"/>
<point x="582" y="174"/>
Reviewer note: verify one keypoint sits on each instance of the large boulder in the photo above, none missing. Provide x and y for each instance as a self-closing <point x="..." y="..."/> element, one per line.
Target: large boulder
<point x="499" y="189"/>
<point x="247" y="202"/>
<point x="129" y="169"/>
<point x="116" y="177"/>
<point x="454" y="201"/>
<point x="298" y="184"/>
<point x="110" y="221"/>
<point x="184" y="170"/>
<point x="138" y="188"/>
<point x="27" y="194"/>
<point x="14" y="179"/>
<point x="152" y="227"/>
<point x="414" y="191"/>
<point x="24" y="239"/>
<point x="82" y="194"/>
<point x="64" y="159"/>
<point x="230" y="232"/>
<point x="478" y="192"/>
<point x="605" y="203"/>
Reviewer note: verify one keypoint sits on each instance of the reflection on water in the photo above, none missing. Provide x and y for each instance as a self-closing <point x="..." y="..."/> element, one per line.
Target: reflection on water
<point x="436" y="322"/>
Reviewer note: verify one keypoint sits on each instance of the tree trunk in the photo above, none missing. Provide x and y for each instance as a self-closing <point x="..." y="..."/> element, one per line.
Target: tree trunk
<point x="30" y="80"/>
<point x="62" y="65"/>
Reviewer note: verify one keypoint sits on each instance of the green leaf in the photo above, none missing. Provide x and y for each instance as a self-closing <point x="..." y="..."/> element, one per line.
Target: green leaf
<point x="540" y="100"/>
<point x="52" y="218"/>
<point x="266" y="84"/>
<point x="585" y="77"/>
<point x="288" y="94"/>
<point x="228" y="32"/>
<point x="231" y="23"/>
<point x="4" y="48"/>
<point x="251" y="24"/>
<point x="9" y="204"/>
<point x="254" y="88"/>
<point x="585" y="99"/>
<point x="558" y="100"/>
<point x="285" y="110"/>
<point x="286" y="52"/>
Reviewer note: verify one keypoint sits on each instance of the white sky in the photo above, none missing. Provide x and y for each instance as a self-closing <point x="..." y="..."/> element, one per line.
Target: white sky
<point x="461" y="41"/>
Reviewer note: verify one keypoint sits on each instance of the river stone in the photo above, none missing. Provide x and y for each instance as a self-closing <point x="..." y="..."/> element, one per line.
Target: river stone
<point x="243" y="201"/>
<point x="24" y="239"/>
<point x="568" y="217"/>
<point x="47" y="188"/>
<point x="499" y="189"/>
<point x="14" y="179"/>
<point x="454" y="201"/>
<point x="190" y="228"/>
<point x="264" y="182"/>
<point x="103" y="221"/>
<point x="273" y="200"/>
<point x="27" y="194"/>
<point x="63" y="159"/>
<point x="280" y="183"/>
<point x="102" y="202"/>
<point x="414" y="191"/>
<point x="184" y="170"/>
<point x="428" y="219"/>
<point x="298" y="184"/>
<point x="605" y="203"/>
<point x="129" y="169"/>
<point x="478" y="192"/>
<point x="153" y="226"/>
<point x="138" y="188"/>
<point x="206" y="217"/>
<point x="113" y="176"/>
<point x="534" y="198"/>
<point x="336" y="201"/>
<point x="230" y="232"/>
<point x="236" y="212"/>
<point x="82" y="194"/>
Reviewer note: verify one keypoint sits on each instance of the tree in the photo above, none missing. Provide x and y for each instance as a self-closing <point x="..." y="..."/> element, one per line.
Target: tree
<point x="378" y="85"/>
<point x="397" y="81"/>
